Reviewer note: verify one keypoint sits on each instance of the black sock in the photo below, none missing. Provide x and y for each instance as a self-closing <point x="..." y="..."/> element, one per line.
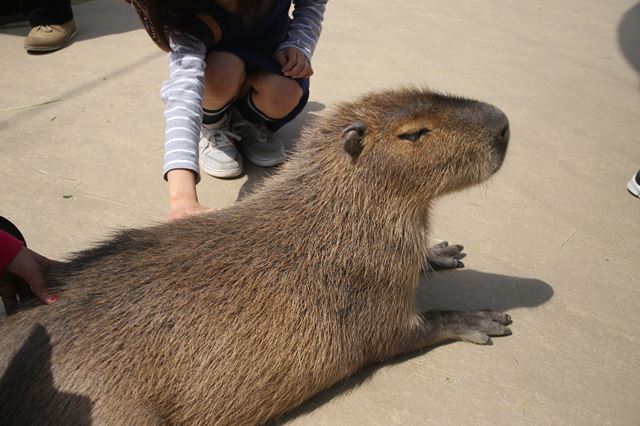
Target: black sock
<point x="212" y="116"/>
<point x="251" y="112"/>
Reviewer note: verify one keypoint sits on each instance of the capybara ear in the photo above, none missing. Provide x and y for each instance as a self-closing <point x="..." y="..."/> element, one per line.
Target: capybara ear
<point x="352" y="138"/>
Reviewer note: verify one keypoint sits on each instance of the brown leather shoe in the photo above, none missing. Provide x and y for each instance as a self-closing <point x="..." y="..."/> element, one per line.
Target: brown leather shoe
<point x="47" y="38"/>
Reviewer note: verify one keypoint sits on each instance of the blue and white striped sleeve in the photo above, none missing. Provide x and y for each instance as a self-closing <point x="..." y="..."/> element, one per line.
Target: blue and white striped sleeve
<point x="306" y="25"/>
<point x="182" y="95"/>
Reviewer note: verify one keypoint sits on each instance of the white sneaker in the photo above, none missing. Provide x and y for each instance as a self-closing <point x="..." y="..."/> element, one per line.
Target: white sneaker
<point x="261" y="146"/>
<point x="218" y="154"/>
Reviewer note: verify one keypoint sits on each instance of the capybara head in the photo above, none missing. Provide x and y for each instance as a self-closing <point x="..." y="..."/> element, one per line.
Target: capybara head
<point x="424" y="142"/>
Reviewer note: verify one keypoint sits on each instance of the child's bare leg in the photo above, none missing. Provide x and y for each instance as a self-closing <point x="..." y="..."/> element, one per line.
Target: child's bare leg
<point x="274" y="95"/>
<point x="270" y="101"/>
<point x="223" y="78"/>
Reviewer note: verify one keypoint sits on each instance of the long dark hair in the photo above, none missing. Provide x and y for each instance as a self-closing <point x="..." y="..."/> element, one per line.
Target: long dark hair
<point x="164" y="18"/>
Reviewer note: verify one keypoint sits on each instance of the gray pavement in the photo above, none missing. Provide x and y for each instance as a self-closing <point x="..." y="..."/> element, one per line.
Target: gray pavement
<point x="552" y="238"/>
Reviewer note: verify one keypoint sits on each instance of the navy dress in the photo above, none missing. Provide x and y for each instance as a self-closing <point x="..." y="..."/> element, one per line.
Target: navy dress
<point x="255" y="44"/>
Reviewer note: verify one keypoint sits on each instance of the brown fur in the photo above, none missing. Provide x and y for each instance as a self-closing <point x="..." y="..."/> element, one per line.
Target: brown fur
<point x="238" y="316"/>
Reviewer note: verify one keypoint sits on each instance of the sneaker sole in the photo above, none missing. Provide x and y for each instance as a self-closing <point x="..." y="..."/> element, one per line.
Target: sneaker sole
<point x="52" y="48"/>
<point x="264" y="163"/>
<point x="223" y="173"/>
<point x="633" y="188"/>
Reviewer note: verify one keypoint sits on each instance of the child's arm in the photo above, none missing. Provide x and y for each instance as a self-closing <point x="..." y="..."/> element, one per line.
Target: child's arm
<point x="183" y="199"/>
<point x="294" y="54"/>
<point x="182" y="94"/>
<point x="305" y="27"/>
<point x="9" y="248"/>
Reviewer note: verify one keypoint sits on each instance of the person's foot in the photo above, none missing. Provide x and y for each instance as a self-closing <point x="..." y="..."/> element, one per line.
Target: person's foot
<point x="218" y="154"/>
<point x="47" y="38"/>
<point x="260" y="145"/>
<point x="634" y="185"/>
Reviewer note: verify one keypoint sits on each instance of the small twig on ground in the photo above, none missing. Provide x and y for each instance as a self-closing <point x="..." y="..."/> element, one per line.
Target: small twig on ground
<point x="566" y="241"/>
<point x="29" y="106"/>
<point x="44" y="172"/>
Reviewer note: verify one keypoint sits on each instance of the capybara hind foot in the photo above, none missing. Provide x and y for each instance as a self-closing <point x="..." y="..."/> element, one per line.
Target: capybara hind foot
<point x="444" y="256"/>
<point x="476" y="326"/>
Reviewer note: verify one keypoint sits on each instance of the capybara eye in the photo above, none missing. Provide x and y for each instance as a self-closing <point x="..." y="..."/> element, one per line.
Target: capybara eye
<point x="414" y="136"/>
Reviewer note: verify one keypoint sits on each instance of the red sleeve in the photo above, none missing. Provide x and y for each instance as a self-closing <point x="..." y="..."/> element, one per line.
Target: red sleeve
<point x="9" y="247"/>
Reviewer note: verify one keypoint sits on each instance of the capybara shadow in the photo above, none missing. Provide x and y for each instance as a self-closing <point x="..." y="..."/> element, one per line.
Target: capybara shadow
<point x="467" y="290"/>
<point x="238" y="316"/>
<point x="21" y="396"/>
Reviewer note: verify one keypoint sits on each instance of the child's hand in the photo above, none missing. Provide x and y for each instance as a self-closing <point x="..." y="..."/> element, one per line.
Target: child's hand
<point x="30" y="266"/>
<point x="294" y="63"/>
<point x="183" y="200"/>
<point x="182" y="208"/>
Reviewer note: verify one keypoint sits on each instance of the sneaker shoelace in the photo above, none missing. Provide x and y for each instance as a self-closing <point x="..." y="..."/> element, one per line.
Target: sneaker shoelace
<point x="221" y="139"/>
<point x="49" y="29"/>
<point x="261" y="131"/>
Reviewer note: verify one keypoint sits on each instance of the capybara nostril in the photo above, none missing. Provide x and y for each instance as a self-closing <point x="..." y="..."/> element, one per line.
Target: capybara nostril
<point x="505" y="133"/>
<point x="501" y="140"/>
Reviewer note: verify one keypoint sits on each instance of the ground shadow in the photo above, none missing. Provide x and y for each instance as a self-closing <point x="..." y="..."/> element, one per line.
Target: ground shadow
<point x="94" y="19"/>
<point x="103" y="17"/>
<point x="27" y="391"/>
<point x="451" y="290"/>
<point x="471" y="290"/>
<point x="629" y="36"/>
<point x="290" y="134"/>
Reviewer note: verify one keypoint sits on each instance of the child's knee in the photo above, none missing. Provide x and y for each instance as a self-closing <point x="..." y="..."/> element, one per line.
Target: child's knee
<point x="291" y="92"/>
<point x="224" y="74"/>
<point x="283" y="94"/>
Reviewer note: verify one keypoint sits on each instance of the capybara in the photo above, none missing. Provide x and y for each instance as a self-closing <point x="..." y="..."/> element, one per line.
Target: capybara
<point x="237" y="316"/>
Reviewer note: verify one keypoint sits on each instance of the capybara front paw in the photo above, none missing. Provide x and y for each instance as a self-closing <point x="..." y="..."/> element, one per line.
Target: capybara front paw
<point x="444" y="256"/>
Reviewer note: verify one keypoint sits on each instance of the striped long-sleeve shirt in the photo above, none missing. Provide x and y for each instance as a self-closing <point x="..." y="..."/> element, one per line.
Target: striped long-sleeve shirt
<point x="182" y="92"/>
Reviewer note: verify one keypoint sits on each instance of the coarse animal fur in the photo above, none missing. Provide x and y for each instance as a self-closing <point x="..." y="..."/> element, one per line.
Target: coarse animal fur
<point x="238" y="316"/>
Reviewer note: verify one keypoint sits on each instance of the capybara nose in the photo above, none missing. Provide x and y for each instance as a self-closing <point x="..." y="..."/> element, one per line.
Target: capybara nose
<point x="497" y="121"/>
<point x="497" y="124"/>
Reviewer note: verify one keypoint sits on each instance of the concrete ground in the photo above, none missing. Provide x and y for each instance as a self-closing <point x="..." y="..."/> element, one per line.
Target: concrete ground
<point x="553" y="238"/>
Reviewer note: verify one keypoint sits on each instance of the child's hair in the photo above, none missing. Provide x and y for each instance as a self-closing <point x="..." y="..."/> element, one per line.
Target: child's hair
<point x="164" y="18"/>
